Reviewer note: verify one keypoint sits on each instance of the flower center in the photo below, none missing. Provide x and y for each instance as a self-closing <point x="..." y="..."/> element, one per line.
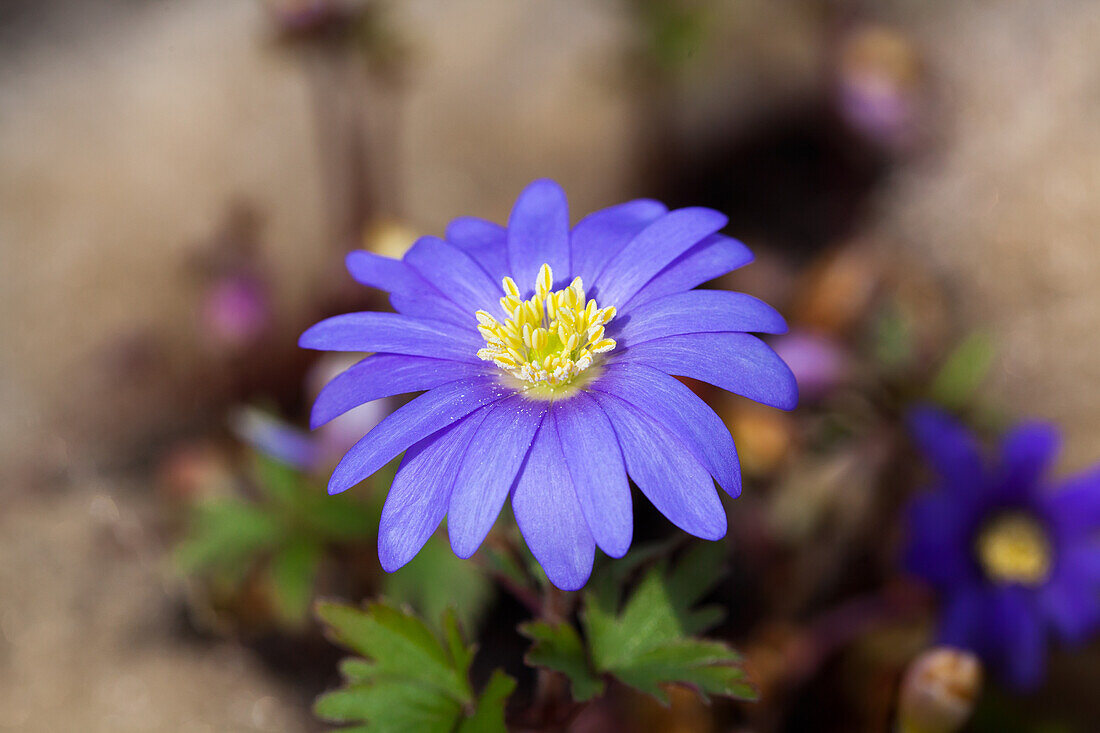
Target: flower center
<point x="548" y="340"/>
<point x="1013" y="548"/>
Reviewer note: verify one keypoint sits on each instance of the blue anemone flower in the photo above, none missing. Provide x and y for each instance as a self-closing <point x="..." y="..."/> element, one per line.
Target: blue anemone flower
<point x="1012" y="556"/>
<point x="544" y="353"/>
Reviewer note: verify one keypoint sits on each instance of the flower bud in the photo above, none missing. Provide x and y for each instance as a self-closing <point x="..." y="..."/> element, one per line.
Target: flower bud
<point x="938" y="691"/>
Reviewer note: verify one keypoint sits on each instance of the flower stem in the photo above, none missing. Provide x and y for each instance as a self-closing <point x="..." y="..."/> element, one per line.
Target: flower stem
<point x="552" y="705"/>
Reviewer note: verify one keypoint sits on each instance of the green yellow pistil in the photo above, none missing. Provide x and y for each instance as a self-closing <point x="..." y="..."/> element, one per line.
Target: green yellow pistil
<point x="1013" y="548"/>
<point x="549" y="340"/>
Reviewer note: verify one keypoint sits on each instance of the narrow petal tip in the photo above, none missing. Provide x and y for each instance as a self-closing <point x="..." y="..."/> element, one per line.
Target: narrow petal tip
<point x="388" y="558"/>
<point x="462" y="547"/>
<point x="307" y="339"/>
<point x="337" y="486"/>
<point x="570" y="581"/>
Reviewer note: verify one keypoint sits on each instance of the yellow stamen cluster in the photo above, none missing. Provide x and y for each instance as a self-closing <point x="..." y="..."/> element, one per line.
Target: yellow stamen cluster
<point x="548" y="339"/>
<point x="1013" y="548"/>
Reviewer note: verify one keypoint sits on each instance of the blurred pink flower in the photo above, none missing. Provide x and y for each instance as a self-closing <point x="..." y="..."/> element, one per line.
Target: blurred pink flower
<point x="236" y="310"/>
<point x="819" y="364"/>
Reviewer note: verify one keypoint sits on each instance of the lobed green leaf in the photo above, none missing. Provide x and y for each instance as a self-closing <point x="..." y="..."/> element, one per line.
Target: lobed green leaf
<point x="488" y="714"/>
<point x="399" y="644"/>
<point x="391" y="707"/>
<point x="559" y="647"/>
<point x="648" y="643"/>
<point x="411" y="680"/>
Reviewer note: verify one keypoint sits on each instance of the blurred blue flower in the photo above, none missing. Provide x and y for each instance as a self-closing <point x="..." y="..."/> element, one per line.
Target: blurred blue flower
<point x="555" y="392"/>
<point x="1013" y="556"/>
<point x="275" y="438"/>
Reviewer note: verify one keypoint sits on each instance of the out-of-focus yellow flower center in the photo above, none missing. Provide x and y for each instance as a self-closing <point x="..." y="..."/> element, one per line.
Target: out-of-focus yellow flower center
<point x="1013" y="548"/>
<point x="549" y="339"/>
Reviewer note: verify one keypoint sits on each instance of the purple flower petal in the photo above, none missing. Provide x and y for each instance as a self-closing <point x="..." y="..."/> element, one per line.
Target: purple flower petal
<point x="492" y="462"/>
<point x="940" y="530"/>
<point x="713" y="257"/>
<point x="1027" y="451"/>
<point x="385" y="273"/>
<point x="1016" y="630"/>
<point x="1071" y="600"/>
<point x="696" y="311"/>
<point x="421" y="489"/>
<point x="393" y="333"/>
<point x="455" y="274"/>
<point x="669" y="402"/>
<point x="1075" y="505"/>
<point x="410" y="294"/>
<point x="538" y="233"/>
<point x="735" y="362"/>
<point x="666" y="471"/>
<point x="1001" y="625"/>
<point x="549" y="515"/>
<point x="595" y="462"/>
<point x="1086" y="560"/>
<point x="599" y="236"/>
<point x="962" y="621"/>
<point x="432" y="411"/>
<point x="951" y="449"/>
<point x="483" y="240"/>
<point x="652" y="250"/>
<point x="435" y="309"/>
<point x="385" y="375"/>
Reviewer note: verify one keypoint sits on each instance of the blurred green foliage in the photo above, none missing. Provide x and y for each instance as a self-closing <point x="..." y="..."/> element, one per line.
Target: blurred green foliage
<point x="892" y="339"/>
<point x="673" y="31"/>
<point x="285" y="531"/>
<point x="437" y="579"/>
<point x="963" y="371"/>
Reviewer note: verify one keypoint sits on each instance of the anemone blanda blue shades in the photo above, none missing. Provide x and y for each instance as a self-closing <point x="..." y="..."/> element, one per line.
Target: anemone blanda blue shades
<point x="1013" y="555"/>
<point x="545" y="355"/>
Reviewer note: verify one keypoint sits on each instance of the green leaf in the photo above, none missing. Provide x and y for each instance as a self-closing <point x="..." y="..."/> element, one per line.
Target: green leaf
<point x="355" y="669"/>
<point x="605" y="587"/>
<point x="461" y="654"/>
<point x="648" y="643"/>
<point x="710" y="666"/>
<point x="488" y="715"/>
<point x="963" y="371"/>
<point x="660" y="608"/>
<point x="410" y="679"/>
<point x="293" y="571"/>
<point x="436" y="580"/>
<point x="698" y="571"/>
<point x="227" y="533"/>
<point x="400" y="645"/>
<point x="559" y="647"/>
<point x="390" y="705"/>
<point x="648" y="618"/>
